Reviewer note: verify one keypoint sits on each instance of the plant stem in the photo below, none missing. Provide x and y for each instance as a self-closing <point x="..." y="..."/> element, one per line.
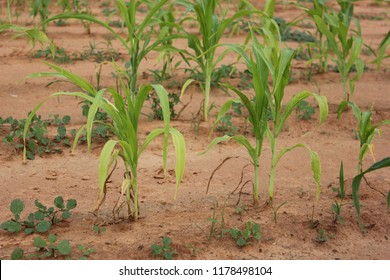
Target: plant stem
<point x="256" y="183"/>
<point x="134" y="184"/>
<point x="207" y="95"/>
<point x="273" y="167"/>
<point x="345" y="90"/>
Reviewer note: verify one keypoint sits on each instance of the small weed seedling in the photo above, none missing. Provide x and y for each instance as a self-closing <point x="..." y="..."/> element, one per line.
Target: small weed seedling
<point x="99" y="230"/>
<point x="163" y="251"/>
<point x="242" y="237"/>
<point x="321" y="236"/>
<point x="155" y="106"/>
<point x="275" y="211"/>
<point x="336" y="206"/>
<point x="356" y="185"/>
<point x="225" y="125"/>
<point x="41" y="220"/>
<point x="305" y="110"/>
<point x="50" y="249"/>
<point x="37" y="140"/>
<point x="312" y="224"/>
<point x="240" y="210"/>
<point x="193" y="249"/>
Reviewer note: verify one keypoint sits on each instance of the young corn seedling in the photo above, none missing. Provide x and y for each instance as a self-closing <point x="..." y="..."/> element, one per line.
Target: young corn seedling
<point x="319" y="10"/>
<point x="381" y="51"/>
<point x="366" y="132"/>
<point x="124" y="113"/>
<point x="33" y="35"/>
<point x="356" y="186"/>
<point x="138" y="41"/>
<point x="346" y="47"/>
<point x="211" y="29"/>
<point x="265" y="61"/>
<point x="336" y="206"/>
<point x="41" y="8"/>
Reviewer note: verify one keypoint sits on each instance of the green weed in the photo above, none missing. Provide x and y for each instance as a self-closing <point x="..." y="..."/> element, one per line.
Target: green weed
<point x="243" y="237"/>
<point x="52" y="249"/>
<point x="163" y="250"/>
<point x="40" y="220"/>
<point x="37" y="140"/>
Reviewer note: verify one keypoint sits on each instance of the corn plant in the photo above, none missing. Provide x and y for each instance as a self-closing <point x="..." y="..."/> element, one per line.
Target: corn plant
<point x="366" y="131"/>
<point x="138" y="41"/>
<point x="124" y="113"/>
<point x="319" y="10"/>
<point x="345" y="46"/>
<point x="380" y="53"/>
<point x="265" y="61"/>
<point x="41" y="8"/>
<point x="211" y="29"/>
<point x="356" y="185"/>
<point x="33" y="35"/>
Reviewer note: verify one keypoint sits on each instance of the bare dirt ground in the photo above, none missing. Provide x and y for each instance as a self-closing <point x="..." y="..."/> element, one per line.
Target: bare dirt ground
<point x="186" y="220"/>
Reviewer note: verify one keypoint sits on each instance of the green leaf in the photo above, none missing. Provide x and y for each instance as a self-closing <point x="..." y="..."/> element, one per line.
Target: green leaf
<point x="340" y="109"/>
<point x="180" y="154"/>
<point x="106" y="159"/>
<point x="28" y="231"/>
<point x="241" y="242"/>
<point x="341" y="181"/>
<point x="71" y="204"/>
<point x="388" y="200"/>
<point x="64" y="248"/>
<point x="17" y="254"/>
<point x="39" y="205"/>
<point x="294" y="102"/>
<point x="357" y="180"/>
<point x="59" y="202"/>
<point x="43" y="226"/>
<point x="17" y="207"/>
<point x="166" y="241"/>
<point x="39" y="215"/>
<point x="61" y="130"/>
<point x="316" y="169"/>
<point x="66" y="214"/>
<point x="240" y="139"/>
<point x="11" y="226"/>
<point x="156" y="249"/>
<point x="168" y="255"/>
<point x="185" y="85"/>
<point x="52" y="238"/>
<point x="40" y="242"/>
<point x="65" y="119"/>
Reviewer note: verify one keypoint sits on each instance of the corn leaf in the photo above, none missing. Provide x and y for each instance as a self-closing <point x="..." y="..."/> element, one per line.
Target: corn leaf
<point x="294" y="101"/>
<point x="180" y="151"/>
<point x="358" y="178"/>
<point x="240" y="139"/>
<point x="315" y="163"/>
<point x="106" y="159"/>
